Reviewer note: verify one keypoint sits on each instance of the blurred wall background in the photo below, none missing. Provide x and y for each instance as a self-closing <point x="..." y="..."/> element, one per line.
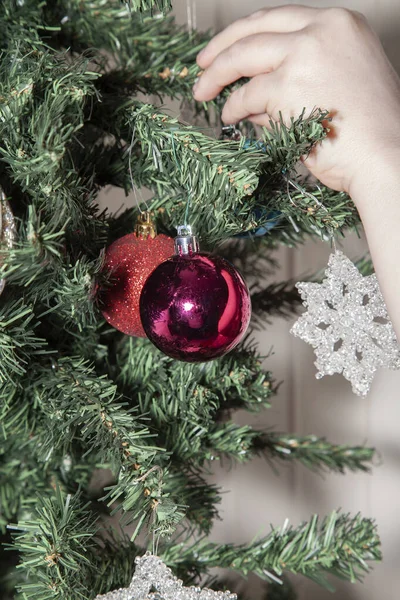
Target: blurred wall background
<point x="256" y="496"/>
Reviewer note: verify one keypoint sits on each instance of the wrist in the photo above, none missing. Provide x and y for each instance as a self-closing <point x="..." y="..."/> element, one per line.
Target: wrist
<point x="377" y="179"/>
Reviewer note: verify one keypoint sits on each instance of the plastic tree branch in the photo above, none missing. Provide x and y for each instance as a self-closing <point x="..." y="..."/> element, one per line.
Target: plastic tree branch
<point x="338" y="544"/>
<point x="58" y="549"/>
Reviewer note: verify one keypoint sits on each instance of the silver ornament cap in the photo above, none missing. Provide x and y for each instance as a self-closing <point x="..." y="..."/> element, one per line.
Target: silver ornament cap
<point x="185" y="241"/>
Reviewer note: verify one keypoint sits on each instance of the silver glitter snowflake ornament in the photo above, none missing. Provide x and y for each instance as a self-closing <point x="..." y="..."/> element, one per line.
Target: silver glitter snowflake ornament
<point x="153" y="580"/>
<point x="347" y="324"/>
<point x="7" y="228"/>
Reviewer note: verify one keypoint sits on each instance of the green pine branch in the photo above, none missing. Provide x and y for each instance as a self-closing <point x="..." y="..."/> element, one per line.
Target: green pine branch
<point x="183" y="405"/>
<point x="19" y="341"/>
<point x="74" y="293"/>
<point x="252" y="256"/>
<point x="47" y="100"/>
<point x="74" y="407"/>
<point x="231" y="440"/>
<point x="75" y="403"/>
<point x="339" y="545"/>
<point x="313" y="210"/>
<point x="36" y="264"/>
<point x="315" y="453"/>
<point x="36" y="256"/>
<point x="238" y="380"/>
<point x="228" y="185"/>
<point x="147" y="55"/>
<point x="243" y="442"/>
<point x="200" y="498"/>
<point x="287" y="143"/>
<point x="184" y="162"/>
<point x="59" y="551"/>
<point x="56" y="546"/>
<point x="21" y="478"/>
<point x="146" y="499"/>
<point x="9" y="576"/>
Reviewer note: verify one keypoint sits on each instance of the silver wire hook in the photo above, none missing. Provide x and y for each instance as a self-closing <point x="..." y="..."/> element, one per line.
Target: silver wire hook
<point x="191" y="15"/>
<point x="133" y="185"/>
<point x="304" y="192"/>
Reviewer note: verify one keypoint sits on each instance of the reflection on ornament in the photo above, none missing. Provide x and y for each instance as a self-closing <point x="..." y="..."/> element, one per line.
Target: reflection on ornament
<point x="153" y="580"/>
<point x="8" y="231"/>
<point x="348" y="325"/>
<point x="195" y="306"/>
<point x="130" y="261"/>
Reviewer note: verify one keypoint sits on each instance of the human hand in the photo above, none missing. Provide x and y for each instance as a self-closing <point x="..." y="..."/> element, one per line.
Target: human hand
<point x="297" y="57"/>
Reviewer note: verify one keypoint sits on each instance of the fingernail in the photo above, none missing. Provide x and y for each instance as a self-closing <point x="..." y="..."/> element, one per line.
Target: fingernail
<point x="201" y="53"/>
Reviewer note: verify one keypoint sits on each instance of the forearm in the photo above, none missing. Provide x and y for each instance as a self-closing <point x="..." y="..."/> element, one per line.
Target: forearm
<point x="377" y="197"/>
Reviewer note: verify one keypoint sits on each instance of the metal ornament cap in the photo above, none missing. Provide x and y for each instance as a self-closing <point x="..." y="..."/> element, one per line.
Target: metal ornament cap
<point x="185" y="241"/>
<point x="145" y="227"/>
<point x="195" y="307"/>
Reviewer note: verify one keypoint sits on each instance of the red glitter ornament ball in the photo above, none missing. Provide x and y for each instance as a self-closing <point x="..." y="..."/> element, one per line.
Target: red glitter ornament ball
<point x="130" y="261"/>
<point x="195" y="306"/>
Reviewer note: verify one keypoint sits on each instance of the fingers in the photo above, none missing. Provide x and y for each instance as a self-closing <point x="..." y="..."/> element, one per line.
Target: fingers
<point x="256" y="98"/>
<point x="283" y="19"/>
<point x="248" y="57"/>
<point x="263" y="120"/>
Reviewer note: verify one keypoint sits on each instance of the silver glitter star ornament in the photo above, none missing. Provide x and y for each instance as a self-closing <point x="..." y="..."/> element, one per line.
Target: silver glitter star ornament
<point x="347" y="324"/>
<point x="7" y="228"/>
<point x="153" y="580"/>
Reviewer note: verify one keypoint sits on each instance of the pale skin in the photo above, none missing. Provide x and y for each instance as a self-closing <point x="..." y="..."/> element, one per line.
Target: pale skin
<point x="296" y="57"/>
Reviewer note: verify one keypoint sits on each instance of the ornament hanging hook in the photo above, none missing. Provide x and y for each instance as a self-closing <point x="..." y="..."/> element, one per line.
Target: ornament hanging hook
<point x="189" y="198"/>
<point x="320" y="205"/>
<point x="133" y="185"/>
<point x="191" y="15"/>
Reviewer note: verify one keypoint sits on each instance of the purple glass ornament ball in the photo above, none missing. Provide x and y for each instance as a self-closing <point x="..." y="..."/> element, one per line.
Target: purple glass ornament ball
<point x="195" y="307"/>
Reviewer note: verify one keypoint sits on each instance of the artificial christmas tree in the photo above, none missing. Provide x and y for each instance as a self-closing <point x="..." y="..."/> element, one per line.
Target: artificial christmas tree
<point x="77" y="396"/>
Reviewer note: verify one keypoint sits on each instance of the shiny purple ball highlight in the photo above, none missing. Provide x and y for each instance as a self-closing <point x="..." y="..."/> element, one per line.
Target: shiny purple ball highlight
<point x="195" y="307"/>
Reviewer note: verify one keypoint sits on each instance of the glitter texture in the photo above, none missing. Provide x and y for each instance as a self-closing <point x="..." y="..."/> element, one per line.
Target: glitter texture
<point x="153" y="580"/>
<point x="195" y="307"/>
<point x="131" y="259"/>
<point x="348" y="325"/>
<point x="8" y="230"/>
